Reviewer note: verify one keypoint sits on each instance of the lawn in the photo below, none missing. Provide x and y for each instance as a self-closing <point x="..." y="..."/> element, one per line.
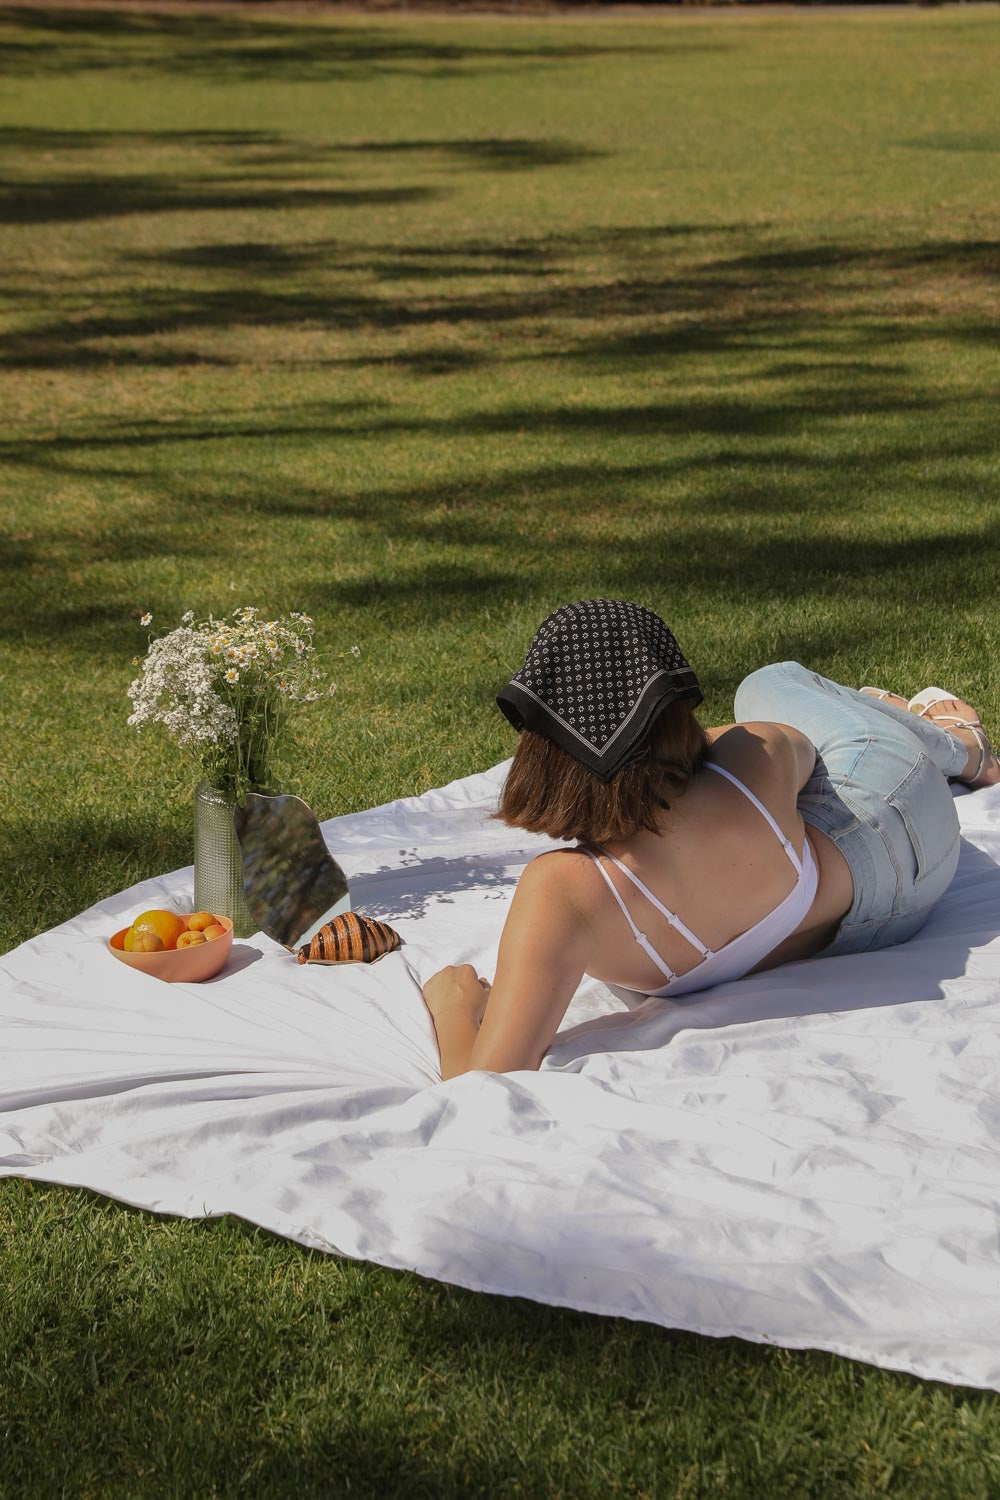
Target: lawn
<point x="425" y="325"/>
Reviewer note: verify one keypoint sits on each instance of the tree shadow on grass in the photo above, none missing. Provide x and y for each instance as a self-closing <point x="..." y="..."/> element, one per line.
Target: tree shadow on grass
<point x="73" y="199"/>
<point x="725" y="461"/>
<point x="270" y="148"/>
<point x="282" y="177"/>
<point x="63" y="865"/>
<point x="227" y="48"/>
<point x="697" y="305"/>
<point x="779" y="416"/>
<point x="461" y="1377"/>
<point x="693" y="557"/>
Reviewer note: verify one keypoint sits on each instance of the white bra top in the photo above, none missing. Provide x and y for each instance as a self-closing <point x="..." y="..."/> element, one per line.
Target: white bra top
<point x="744" y="952"/>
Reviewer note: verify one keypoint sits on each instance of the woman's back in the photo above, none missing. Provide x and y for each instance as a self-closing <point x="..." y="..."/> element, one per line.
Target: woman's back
<point x="720" y="867"/>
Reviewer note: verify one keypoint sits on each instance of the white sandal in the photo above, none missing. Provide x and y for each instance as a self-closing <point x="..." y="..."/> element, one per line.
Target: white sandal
<point x="922" y="704"/>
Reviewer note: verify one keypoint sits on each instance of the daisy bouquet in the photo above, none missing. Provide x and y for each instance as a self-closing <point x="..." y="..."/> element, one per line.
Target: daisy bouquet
<point x="226" y="690"/>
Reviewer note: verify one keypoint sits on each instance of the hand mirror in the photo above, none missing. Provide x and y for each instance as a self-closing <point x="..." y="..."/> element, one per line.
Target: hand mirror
<point x="293" y="884"/>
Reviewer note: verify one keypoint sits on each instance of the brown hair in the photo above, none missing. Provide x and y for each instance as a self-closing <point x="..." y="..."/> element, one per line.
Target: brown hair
<point x="548" y="791"/>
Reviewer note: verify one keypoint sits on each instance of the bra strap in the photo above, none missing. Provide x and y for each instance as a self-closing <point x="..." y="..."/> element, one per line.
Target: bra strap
<point x="640" y="937"/>
<point x="654" y="900"/>
<point x="786" y="843"/>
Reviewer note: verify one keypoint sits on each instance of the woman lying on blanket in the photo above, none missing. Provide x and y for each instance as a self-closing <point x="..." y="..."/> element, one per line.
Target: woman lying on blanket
<point x="820" y="822"/>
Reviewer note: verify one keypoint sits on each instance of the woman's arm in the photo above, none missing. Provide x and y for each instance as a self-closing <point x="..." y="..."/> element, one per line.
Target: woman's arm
<point x="544" y="951"/>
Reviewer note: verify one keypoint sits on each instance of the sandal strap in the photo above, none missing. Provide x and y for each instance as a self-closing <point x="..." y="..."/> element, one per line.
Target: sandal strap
<point x="954" y="720"/>
<point x="985" y="750"/>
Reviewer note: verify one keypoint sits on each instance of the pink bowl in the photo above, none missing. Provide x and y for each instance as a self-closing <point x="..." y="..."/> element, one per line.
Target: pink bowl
<point x="179" y="965"/>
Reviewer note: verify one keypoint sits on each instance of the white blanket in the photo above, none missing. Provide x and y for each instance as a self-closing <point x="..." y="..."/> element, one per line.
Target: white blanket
<point x="809" y="1157"/>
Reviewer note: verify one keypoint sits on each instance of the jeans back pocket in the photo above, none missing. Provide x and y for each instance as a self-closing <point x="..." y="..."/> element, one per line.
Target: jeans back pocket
<point x="927" y="809"/>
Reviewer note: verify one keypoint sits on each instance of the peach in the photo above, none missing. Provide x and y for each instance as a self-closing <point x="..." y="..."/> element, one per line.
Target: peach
<point x="215" y="931"/>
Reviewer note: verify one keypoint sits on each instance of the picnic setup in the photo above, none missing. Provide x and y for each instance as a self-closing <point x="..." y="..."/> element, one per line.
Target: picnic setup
<point x="500" y="846"/>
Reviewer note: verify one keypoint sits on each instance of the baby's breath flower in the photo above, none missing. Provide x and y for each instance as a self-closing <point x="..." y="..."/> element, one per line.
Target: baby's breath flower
<point x="185" y="681"/>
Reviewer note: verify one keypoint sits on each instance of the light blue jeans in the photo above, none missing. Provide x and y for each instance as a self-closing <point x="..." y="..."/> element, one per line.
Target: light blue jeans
<point x="879" y="790"/>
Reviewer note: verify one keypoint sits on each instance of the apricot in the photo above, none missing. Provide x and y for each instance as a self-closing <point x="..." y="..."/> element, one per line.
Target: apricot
<point x="199" y="920"/>
<point x="190" y="939"/>
<point x="216" y="930"/>
<point x="142" y="942"/>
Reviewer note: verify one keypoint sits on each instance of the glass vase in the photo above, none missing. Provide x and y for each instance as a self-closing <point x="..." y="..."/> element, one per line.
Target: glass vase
<point x="218" y="860"/>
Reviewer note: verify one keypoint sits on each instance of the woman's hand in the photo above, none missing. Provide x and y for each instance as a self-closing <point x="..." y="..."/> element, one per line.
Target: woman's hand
<point x="457" y="987"/>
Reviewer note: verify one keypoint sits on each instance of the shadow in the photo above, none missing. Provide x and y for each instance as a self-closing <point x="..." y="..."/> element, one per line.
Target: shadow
<point x="64" y="864"/>
<point x="971" y="258"/>
<point x="22" y="139"/>
<point x="404" y="891"/>
<point x="241" y="956"/>
<point x="73" y="199"/>
<point x="234" y="48"/>
<point x="159" y="1304"/>
<point x="954" y="140"/>
<point x="770" y="300"/>
<point x="269" y="147"/>
<point x="690" y="485"/>
<point x="705" y="548"/>
<point x="381" y="262"/>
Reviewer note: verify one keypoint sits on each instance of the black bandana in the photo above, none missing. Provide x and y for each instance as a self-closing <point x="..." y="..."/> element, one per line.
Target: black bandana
<point x="596" y="676"/>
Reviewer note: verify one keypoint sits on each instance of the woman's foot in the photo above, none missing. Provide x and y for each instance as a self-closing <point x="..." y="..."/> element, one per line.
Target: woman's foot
<point x="960" y="719"/>
<point x="894" y="698"/>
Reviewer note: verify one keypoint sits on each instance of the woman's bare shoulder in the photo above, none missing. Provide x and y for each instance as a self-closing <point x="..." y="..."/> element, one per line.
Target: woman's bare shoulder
<point x="765" y="749"/>
<point x="755" y="738"/>
<point x="568" y="877"/>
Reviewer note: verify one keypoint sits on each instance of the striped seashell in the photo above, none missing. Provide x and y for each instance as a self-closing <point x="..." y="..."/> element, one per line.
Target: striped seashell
<point x="350" y="939"/>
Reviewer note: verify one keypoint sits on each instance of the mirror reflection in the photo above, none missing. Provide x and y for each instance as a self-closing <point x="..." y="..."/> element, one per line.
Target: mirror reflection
<point x="292" y="882"/>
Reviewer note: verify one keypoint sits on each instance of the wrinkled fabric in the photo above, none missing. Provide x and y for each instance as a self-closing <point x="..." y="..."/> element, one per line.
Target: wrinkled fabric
<point x="809" y="1157"/>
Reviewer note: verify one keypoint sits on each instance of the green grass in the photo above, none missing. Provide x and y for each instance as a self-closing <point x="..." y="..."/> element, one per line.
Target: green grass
<point x="425" y="327"/>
